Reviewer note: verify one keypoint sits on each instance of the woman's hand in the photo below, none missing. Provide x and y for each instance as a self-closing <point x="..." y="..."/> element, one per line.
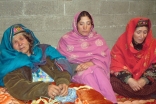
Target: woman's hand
<point x="84" y="66"/>
<point x="134" y="84"/>
<point x="142" y="82"/>
<point x="64" y="89"/>
<point x="53" y="90"/>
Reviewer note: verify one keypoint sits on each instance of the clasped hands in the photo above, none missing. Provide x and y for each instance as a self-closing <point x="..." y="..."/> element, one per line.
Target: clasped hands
<point x="136" y="85"/>
<point x="84" y="66"/>
<point x="60" y="90"/>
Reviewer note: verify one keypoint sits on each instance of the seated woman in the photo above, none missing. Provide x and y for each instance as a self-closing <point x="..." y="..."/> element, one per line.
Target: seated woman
<point x="133" y="61"/>
<point x="88" y="52"/>
<point x="28" y="68"/>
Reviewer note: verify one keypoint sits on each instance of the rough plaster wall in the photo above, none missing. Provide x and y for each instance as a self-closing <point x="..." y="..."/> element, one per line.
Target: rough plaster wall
<point x="50" y="19"/>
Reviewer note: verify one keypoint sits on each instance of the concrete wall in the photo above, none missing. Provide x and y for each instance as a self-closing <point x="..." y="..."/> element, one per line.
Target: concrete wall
<point x="50" y="19"/>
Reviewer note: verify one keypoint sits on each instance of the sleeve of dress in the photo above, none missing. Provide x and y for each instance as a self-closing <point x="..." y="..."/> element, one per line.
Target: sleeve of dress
<point x="150" y="73"/>
<point x="59" y="76"/>
<point x="123" y="76"/>
<point x="63" y="64"/>
<point x="22" y="88"/>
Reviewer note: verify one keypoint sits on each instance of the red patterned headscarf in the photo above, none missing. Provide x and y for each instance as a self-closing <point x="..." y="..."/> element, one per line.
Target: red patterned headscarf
<point x="125" y="57"/>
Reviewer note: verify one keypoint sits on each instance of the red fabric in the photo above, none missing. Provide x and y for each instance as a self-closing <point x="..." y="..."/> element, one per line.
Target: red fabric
<point x="125" y="57"/>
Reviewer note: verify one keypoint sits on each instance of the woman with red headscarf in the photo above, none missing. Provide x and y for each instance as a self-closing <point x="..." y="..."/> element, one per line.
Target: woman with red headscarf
<point x="133" y="61"/>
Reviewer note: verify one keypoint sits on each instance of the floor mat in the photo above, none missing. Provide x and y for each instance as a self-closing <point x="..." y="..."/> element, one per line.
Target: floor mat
<point x="124" y="100"/>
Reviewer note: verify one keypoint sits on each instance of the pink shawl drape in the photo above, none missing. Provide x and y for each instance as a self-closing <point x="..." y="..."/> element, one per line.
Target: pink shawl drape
<point x="79" y="49"/>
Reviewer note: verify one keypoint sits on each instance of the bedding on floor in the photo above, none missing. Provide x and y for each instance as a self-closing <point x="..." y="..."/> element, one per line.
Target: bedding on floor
<point x="86" y="95"/>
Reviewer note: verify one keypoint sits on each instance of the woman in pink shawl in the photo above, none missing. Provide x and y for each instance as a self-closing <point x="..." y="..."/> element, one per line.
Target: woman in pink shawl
<point x="89" y="54"/>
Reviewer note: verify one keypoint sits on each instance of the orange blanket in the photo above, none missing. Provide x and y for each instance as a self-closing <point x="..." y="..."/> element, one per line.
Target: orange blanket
<point x="86" y="95"/>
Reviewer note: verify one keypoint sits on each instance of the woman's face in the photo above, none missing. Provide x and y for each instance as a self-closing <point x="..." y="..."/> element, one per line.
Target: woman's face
<point x="140" y="34"/>
<point x="21" y="44"/>
<point x="84" y="26"/>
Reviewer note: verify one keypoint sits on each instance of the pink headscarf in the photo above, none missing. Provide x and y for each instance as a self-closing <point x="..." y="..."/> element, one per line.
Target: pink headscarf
<point x="79" y="49"/>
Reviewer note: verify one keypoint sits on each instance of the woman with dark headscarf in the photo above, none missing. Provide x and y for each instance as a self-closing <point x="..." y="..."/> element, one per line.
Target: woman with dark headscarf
<point x="89" y="55"/>
<point x="133" y="60"/>
<point x="28" y="68"/>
